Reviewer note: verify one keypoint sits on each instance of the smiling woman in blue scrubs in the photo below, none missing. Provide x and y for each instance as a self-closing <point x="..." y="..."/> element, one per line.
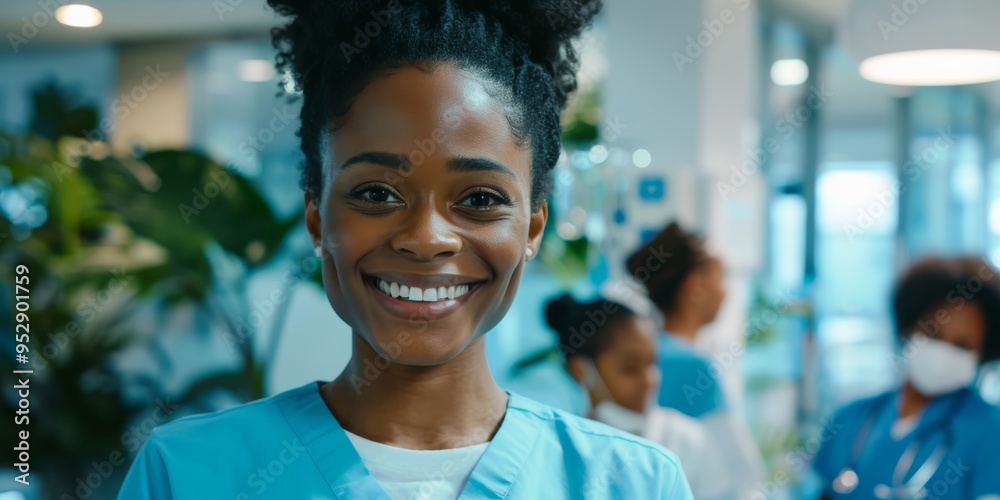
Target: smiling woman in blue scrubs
<point x="934" y="437"/>
<point x="429" y="130"/>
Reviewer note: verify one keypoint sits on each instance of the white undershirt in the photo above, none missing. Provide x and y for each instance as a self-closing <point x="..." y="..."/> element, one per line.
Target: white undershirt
<point x="418" y="474"/>
<point x="904" y="426"/>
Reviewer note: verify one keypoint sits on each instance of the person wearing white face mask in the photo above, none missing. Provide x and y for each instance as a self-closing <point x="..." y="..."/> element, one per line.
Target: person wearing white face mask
<point x="934" y="437"/>
<point x="611" y="352"/>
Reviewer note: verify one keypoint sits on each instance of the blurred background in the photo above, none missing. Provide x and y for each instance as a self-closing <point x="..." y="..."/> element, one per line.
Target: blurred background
<point x="148" y="179"/>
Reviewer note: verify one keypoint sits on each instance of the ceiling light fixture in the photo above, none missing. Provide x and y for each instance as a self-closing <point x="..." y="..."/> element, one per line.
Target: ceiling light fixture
<point x="79" y="15"/>
<point x="924" y="42"/>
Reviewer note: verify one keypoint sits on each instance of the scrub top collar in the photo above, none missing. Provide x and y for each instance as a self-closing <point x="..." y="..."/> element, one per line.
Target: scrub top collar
<point x="934" y="410"/>
<point x="934" y="414"/>
<point x="672" y="339"/>
<point x="331" y="450"/>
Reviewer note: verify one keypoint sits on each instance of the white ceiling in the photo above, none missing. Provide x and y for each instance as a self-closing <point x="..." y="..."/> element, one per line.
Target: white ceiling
<point x="137" y="20"/>
<point x="820" y="10"/>
<point x="127" y="20"/>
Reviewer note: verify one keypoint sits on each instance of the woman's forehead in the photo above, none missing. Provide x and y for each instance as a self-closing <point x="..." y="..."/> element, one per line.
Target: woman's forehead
<point x="408" y="106"/>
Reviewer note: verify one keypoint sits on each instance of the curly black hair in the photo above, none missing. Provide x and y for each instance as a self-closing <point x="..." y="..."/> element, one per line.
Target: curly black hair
<point x="934" y="283"/>
<point x="685" y="252"/>
<point x="333" y="49"/>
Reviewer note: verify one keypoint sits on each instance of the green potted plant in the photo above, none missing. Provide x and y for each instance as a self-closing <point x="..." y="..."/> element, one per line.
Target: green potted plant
<point x="106" y="240"/>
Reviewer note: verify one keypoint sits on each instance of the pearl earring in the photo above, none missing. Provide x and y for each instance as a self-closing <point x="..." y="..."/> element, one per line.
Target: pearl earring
<point x="529" y="252"/>
<point x="318" y="251"/>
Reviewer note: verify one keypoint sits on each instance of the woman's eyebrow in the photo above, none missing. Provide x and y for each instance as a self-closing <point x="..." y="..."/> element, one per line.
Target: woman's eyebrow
<point x="398" y="161"/>
<point x="479" y="164"/>
<point x="391" y="160"/>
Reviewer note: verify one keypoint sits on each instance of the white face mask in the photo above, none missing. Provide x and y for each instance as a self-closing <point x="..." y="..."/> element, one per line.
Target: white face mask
<point x="938" y="367"/>
<point x="622" y="418"/>
<point x="607" y="411"/>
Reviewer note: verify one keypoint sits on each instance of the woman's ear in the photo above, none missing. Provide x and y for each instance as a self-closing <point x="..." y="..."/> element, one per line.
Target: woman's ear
<point x="314" y="222"/>
<point x="536" y="228"/>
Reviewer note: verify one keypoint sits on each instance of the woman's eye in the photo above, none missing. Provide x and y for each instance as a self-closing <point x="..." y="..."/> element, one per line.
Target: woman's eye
<point x="632" y="370"/>
<point x="484" y="199"/>
<point x="377" y="194"/>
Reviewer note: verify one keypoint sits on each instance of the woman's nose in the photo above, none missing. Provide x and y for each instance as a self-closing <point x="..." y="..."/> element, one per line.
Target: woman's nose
<point x="426" y="233"/>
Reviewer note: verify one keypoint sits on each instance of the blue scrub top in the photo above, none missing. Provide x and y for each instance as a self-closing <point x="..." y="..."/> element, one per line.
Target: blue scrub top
<point x="688" y="385"/>
<point x="291" y="446"/>
<point x="969" y="470"/>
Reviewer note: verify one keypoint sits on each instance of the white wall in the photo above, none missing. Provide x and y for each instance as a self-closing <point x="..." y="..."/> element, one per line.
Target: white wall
<point x="682" y="77"/>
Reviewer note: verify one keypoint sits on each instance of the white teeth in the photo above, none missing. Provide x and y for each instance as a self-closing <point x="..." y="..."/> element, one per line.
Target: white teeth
<point x="415" y="294"/>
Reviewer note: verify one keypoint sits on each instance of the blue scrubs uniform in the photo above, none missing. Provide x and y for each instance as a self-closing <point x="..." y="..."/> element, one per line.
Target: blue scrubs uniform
<point x="970" y="427"/>
<point x="291" y="446"/>
<point x="688" y="385"/>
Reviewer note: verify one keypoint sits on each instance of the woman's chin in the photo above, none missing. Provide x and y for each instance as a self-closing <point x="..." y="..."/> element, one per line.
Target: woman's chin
<point x="423" y="349"/>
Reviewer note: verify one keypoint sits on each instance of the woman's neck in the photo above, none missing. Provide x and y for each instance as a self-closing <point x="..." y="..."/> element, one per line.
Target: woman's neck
<point x="451" y="405"/>
<point x="684" y="325"/>
<point x="913" y="402"/>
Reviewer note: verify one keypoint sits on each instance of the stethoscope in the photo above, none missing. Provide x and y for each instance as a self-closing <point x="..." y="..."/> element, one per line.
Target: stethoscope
<point x="847" y="480"/>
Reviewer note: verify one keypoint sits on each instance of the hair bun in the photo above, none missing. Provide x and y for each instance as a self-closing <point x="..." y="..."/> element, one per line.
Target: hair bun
<point x="545" y="29"/>
<point x="559" y="312"/>
<point x="551" y="21"/>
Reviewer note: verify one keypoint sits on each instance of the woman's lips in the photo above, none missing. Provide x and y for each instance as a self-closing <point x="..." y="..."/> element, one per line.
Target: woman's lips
<point x="413" y="310"/>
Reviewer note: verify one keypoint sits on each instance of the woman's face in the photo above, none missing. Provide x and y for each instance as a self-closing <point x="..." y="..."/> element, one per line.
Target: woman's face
<point x="628" y="364"/>
<point x="962" y="325"/>
<point x="424" y="188"/>
<point x="708" y="289"/>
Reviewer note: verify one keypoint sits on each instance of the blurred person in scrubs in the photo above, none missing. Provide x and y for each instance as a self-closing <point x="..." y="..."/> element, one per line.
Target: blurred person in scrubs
<point x="685" y="285"/>
<point x="611" y="352"/>
<point x="934" y="436"/>
<point x="429" y="131"/>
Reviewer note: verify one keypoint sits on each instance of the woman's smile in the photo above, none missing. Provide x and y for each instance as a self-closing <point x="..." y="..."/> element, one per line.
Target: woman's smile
<point x="423" y="296"/>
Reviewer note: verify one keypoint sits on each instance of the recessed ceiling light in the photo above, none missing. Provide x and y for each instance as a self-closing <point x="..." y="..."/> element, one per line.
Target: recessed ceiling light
<point x="789" y="72"/>
<point x="921" y="43"/>
<point x="933" y="67"/>
<point x="79" y="16"/>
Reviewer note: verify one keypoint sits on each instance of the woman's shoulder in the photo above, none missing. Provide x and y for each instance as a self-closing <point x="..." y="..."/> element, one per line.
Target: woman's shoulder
<point x="598" y="458"/>
<point x="681" y="355"/>
<point x="865" y="405"/>
<point x="982" y="412"/>
<point x="587" y="435"/>
<point x="228" y="453"/>
<point x="236" y="424"/>
<point x="674" y="429"/>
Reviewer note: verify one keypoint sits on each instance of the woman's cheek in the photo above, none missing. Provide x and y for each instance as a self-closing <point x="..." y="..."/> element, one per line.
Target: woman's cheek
<point x="506" y="243"/>
<point x="344" y="246"/>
